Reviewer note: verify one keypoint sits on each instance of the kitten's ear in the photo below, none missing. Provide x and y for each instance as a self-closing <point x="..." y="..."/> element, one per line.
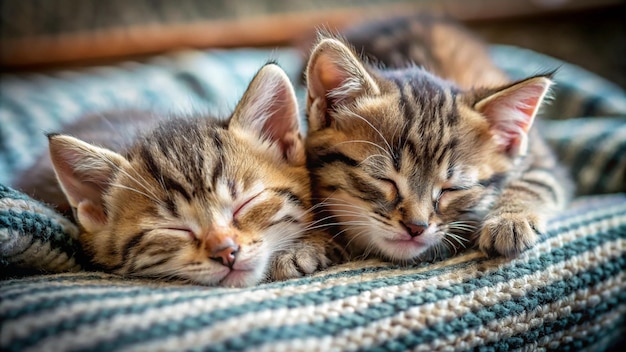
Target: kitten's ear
<point x="270" y="109"/>
<point x="334" y="75"/>
<point x="84" y="172"/>
<point x="511" y="112"/>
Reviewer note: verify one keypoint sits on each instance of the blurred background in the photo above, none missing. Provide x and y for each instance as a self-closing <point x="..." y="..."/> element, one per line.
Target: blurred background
<point x="44" y="34"/>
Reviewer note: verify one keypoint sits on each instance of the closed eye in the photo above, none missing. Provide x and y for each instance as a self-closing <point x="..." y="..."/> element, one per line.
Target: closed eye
<point x="444" y="191"/>
<point x="181" y="232"/>
<point x="391" y="191"/>
<point x="243" y="205"/>
<point x="453" y="189"/>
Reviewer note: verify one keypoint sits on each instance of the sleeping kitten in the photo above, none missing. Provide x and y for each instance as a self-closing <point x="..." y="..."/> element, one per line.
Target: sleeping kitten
<point x="214" y="202"/>
<point x="432" y="153"/>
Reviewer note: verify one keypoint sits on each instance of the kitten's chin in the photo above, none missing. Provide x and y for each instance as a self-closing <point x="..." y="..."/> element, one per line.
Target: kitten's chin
<point x="401" y="250"/>
<point x="241" y="278"/>
<point x="245" y="273"/>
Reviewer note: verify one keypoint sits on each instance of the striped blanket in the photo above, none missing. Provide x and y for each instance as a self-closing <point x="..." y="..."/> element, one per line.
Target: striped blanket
<point x="566" y="294"/>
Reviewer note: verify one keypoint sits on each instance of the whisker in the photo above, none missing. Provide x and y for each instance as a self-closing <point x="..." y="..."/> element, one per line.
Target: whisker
<point x="389" y="150"/>
<point x="136" y="191"/>
<point x="363" y="141"/>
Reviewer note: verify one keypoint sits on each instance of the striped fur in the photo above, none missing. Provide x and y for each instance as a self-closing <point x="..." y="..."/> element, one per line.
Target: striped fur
<point x="215" y="202"/>
<point x="412" y="162"/>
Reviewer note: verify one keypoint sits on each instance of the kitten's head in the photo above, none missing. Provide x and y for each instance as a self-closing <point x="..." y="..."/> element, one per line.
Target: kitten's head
<point x="200" y="199"/>
<point x="404" y="161"/>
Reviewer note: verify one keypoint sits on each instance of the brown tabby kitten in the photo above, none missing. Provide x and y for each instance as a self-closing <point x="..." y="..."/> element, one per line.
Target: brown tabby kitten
<point x="215" y="202"/>
<point x="432" y="153"/>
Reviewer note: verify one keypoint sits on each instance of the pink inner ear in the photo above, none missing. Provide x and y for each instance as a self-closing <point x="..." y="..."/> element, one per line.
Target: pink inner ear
<point x="511" y="112"/>
<point x="282" y="120"/>
<point x="326" y="76"/>
<point x="528" y="106"/>
<point x="329" y="74"/>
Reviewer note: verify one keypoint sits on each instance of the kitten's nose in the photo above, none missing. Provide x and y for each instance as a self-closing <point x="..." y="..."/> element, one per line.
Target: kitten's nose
<point x="415" y="228"/>
<point x="225" y="253"/>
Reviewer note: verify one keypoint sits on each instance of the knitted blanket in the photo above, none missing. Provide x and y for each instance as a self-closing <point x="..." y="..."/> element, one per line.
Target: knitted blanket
<point x="567" y="293"/>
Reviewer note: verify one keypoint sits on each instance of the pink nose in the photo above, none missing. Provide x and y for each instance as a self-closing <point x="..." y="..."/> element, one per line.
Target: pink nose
<point x="415" y="228"/>
<point x="225" y="253"/>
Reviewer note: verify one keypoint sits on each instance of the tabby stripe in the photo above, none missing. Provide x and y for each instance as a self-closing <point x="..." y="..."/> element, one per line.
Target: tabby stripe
<point x="544" y="186"/>
<point x="521" y="188"/>
<point x="412" y="149"/>
<point x="495" y="180"/>
<point x="150" y="163"/>
<point x="409" y="115"/>
<point x="452" y="117"/>
<point x="407" y="108"/>
<point x="166" y="181"/>
<point x="368" y="191"/>
<point x="172" y="185"/>
<point x="445" y="150"/>
<point x="131" y="244"/>
<point x="292" y="197"/>
<point x="337" y="157"/>
<point x="219" y="163"/>
<point x="217" y="173"/>
<point x="163" y="145"/>
<point x="171" y="206"/>
<point x="151" y="249"/>
<point x="147" y="266"/>
<point x="384" y="216"/>
<point x="285" y="219"/>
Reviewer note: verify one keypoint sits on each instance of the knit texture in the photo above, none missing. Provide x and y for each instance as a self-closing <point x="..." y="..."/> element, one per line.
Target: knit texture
<point x="567" y="293"/>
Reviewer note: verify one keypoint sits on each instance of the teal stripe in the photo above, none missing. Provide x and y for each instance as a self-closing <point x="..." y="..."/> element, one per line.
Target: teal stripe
<point x="10" y="193"/>
<point x="577" y="317"/>
<point x="335" y="325"/>
<point x="41" y="228"/>
<point x="537" y="297"/>
<point x="40" y="307"/>
<point x="429" y="295"/>
<point x="26" y="283"/>
<point x="324" y="295"/>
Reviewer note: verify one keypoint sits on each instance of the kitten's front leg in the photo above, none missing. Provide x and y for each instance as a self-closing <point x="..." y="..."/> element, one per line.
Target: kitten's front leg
<point x="312" y="253"/>
<point x="520" y="215"/>
<point x="509" y="231"/>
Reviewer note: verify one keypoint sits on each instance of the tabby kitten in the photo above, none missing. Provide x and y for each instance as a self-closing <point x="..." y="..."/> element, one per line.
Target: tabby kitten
<point x="433" y="152"/>
<point x="214" y="202"/>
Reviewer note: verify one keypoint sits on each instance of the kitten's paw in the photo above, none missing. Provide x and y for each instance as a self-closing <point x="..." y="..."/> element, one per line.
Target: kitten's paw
<point x="309" y="255"/>
<point x="509" y="234"/>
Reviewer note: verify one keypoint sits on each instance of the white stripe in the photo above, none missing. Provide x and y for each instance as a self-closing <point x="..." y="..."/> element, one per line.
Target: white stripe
<point x="512" y="325"/>
<point x="593" y="327"/>
<point x="30" y="206"/>
<point x="415" y="318"/>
